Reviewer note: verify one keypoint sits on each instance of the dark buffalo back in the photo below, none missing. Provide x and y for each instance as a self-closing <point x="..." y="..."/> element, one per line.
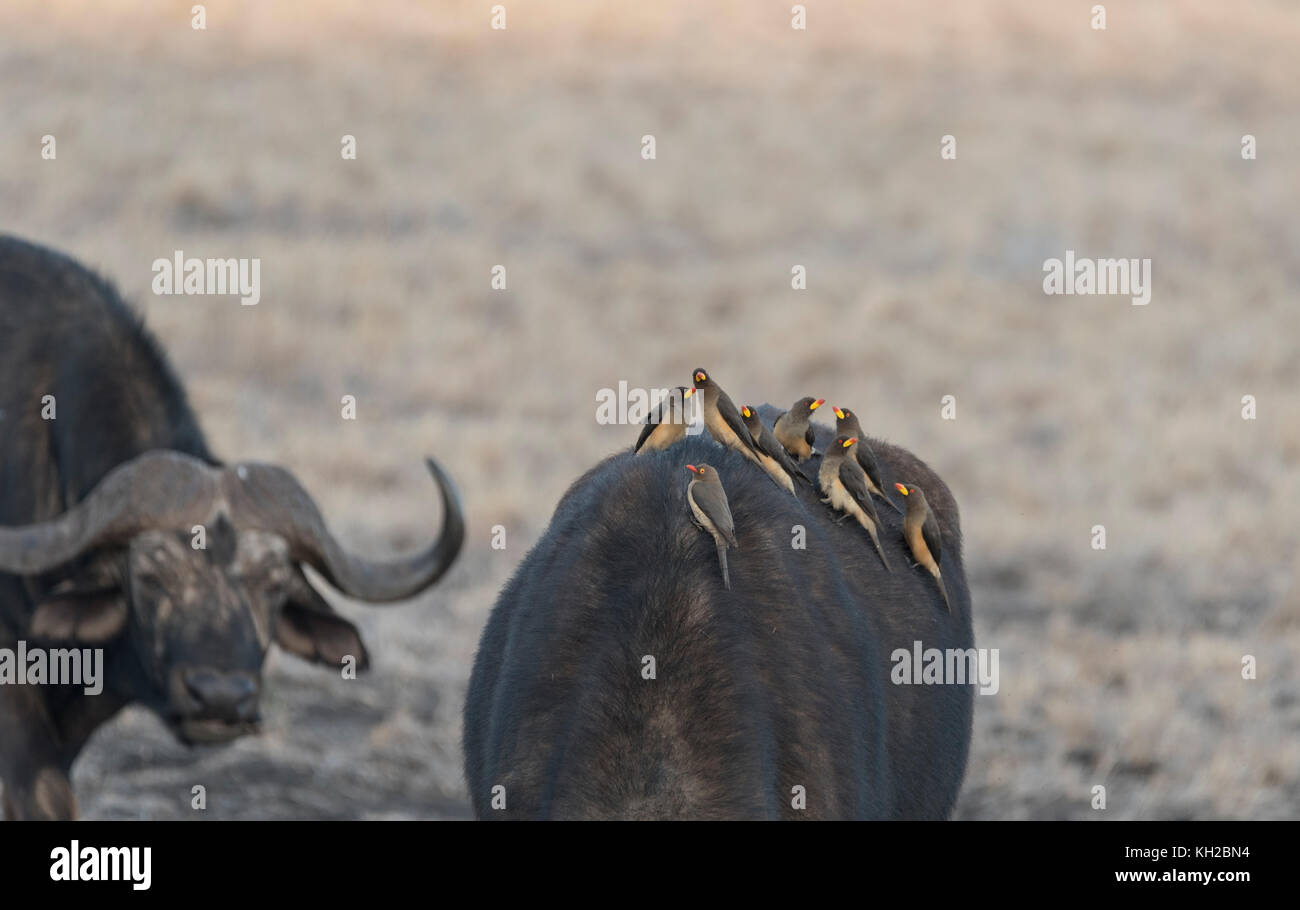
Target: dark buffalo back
<point x="782" y="682"/>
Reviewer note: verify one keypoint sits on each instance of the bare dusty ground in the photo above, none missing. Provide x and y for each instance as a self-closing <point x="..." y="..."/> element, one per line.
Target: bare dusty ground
<point x="774" y="148"/>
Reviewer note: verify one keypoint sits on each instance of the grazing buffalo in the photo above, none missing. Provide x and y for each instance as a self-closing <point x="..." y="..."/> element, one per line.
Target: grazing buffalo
<point x="617" y="678"/>
<point x="120" y="531"/>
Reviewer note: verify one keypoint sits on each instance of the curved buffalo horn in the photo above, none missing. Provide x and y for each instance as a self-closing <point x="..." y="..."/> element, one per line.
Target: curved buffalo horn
<point x="270" y="499"/>
<point x="164" y="489"/>
<point x="152" y="490"/>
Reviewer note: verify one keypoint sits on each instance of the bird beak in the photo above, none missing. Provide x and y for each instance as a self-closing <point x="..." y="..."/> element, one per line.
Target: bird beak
<point x="688" y="393"/>
<point x="849" y="442"/>
<point x="692" y="468"/>
<point x="839" y="413"/>
<point x="817" y="404"/>
<point x="900" y="488"/>
<point x="745" y="412"/>
<point x="699" y="377"/>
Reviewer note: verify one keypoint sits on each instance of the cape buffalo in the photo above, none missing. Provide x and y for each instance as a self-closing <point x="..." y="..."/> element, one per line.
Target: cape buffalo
<point x="122" y="532"/>
<point x="617" y="678"/>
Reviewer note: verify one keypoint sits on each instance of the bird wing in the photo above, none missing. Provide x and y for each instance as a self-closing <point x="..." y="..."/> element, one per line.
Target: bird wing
<point x="731" y="417"/>
<point x="645" y="434"/>
<point x="768" y="444"/>
<point x="867" y="459"/>
<point x="930" y="534"/>
<point x="712" y="500"/>
<point x="810" y="436"/>
<point x="664" y="410"/>
<point x="855" y="481"/>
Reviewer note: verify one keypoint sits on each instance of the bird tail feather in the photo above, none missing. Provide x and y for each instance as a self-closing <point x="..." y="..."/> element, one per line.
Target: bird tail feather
<point x="944" y="591"/>
<point x="875" y="538"/>
<point x="722" y="561"/>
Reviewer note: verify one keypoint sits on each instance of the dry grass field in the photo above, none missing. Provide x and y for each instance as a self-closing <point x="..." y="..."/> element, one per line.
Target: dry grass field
<point x="775" y="147"/>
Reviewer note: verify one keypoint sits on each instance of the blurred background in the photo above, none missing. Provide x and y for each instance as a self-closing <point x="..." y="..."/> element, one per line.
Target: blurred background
<point x="774" y="148"/>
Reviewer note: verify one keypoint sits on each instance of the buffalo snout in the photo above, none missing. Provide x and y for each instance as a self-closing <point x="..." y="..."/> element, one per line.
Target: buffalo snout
<point x="211" y="705"/>
<point x="222" y="695"/>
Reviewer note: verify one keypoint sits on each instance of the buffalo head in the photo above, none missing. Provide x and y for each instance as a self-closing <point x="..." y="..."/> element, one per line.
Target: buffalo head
<point x="189" y="572"/>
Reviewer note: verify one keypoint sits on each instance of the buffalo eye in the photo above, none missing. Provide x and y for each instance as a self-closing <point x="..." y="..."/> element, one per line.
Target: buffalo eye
<point x="270" y="581"/>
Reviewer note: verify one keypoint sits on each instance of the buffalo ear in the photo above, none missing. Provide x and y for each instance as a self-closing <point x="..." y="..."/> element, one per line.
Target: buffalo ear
<point x="310" y="629"/>
<point x="86" y="617"/>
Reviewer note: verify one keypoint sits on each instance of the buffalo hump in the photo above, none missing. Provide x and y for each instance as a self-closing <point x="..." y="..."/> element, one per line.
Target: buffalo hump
<point x="779" y="684"/>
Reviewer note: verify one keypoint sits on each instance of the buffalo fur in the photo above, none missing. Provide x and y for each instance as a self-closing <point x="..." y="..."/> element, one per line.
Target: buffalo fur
<point x="65" y="332"/>
<point x="782" y="682"/>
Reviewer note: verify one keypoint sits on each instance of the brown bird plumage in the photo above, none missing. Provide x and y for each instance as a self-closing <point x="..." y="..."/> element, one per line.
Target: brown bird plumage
<point x="921" y="531"/>
<point x="708" y="502"/>
<point x="666" y="424"/>
<point x="793" y="429"/>
<point x="847" y="424"/>
<point x="723" y="419"/>
<point x="844" y="487"/>
<point x="773" y="457"/>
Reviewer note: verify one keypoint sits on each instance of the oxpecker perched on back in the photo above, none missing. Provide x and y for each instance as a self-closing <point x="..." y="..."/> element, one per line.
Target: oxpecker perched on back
<point x="844" y="487"/>
<point x="793" y="429"/>
<point x="712" y="513"/>
<point x="921" y="531"/>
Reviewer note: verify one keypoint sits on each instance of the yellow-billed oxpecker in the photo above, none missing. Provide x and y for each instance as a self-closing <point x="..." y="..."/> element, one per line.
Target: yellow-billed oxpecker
<point x="844" y="487"/>
<point x="666" y="423"/>
<point x="847" y="424"/>
<point x="793" y="429"/>
<point x="921" y="531"/>
<point x="712" y="513"/>
<point x="723" y="419"/>
<point x="775" y="460"/>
